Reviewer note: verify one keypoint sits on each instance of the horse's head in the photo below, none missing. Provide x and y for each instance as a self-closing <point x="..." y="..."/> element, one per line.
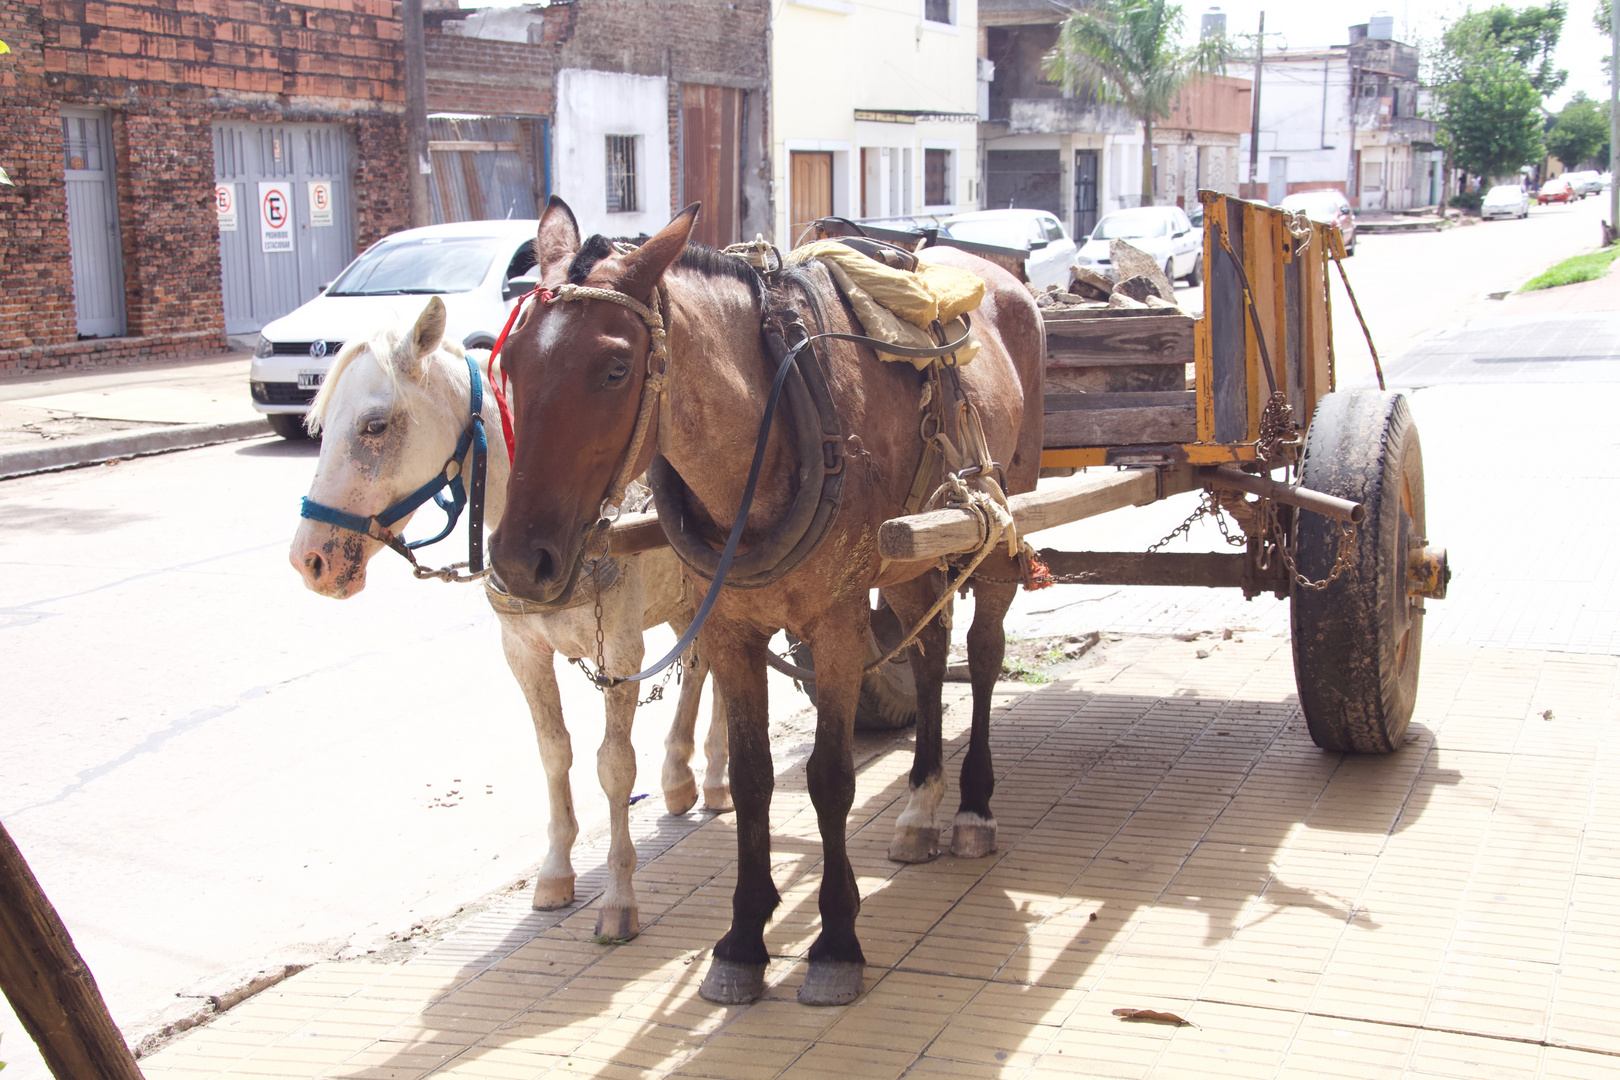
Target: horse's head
<point x="389" y="417"/>
<point x="577" y="369"/>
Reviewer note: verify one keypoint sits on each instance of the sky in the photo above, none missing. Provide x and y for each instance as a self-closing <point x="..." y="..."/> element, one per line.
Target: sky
<point x="1303" y="24"/>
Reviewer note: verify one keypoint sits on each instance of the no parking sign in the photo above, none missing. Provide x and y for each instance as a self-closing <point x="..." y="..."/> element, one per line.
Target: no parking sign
<point x="275" y="216"/>
<point x="225" y="206"/>
<point x="320" y="204"/>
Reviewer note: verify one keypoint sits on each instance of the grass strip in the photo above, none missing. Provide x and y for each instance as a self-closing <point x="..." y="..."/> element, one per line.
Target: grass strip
<point x="1580" y="268"/>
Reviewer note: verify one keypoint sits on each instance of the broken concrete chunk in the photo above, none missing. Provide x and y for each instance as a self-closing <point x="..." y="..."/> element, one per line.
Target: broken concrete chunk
<point x="1089" y="283"/>
<point x="1131" y="261"/>
<point x="1157" y="301"/>
<point x="1121" y="300"/>
<point x="1139" y="287"/>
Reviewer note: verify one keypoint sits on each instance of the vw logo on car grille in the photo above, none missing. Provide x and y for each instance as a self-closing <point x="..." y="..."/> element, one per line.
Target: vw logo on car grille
<point x="317" y="349"/>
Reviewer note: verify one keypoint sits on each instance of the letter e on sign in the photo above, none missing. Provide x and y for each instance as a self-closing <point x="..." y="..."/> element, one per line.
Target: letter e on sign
<point x="225" y="206"/>
<point x="275" y="216"/>
<point x="320" y="204"/>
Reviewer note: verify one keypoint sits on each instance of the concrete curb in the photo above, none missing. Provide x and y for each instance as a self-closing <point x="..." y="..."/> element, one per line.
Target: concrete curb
<point x="71" y="453"/>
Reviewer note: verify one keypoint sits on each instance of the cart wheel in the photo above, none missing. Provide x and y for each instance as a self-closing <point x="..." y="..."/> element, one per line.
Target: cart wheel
<point x="1357" y="642"/>
<point x="888" y="699"/>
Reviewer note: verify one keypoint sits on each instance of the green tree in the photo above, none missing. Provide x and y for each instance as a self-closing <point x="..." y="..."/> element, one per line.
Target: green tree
<point x="1528" y="36"/>
<point x="1490" y="115"/>
<point x="1129" y="52"/>
<point x="1579" y="132"/>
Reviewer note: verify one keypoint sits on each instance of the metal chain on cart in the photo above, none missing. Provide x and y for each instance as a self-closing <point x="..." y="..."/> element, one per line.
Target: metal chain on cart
<point x="1342" y="558"/>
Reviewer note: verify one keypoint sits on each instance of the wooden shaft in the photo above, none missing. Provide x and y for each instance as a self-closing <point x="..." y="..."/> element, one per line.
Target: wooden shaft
<point x="636" y="532"/>
<point x="950" y="532"/>
<point x="1327" y="505"/>
<point x="49" y="985"/>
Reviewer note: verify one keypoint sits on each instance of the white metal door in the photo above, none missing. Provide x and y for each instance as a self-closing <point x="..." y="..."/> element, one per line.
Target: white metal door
<point x="92" y="217"/>
<point x="285" y="224"/>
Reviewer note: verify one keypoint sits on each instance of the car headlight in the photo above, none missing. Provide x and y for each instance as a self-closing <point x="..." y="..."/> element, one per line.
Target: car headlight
<point x="264" y="347"/>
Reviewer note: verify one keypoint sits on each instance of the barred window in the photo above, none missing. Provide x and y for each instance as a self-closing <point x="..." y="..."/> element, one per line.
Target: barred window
<point x="621" y="174"/>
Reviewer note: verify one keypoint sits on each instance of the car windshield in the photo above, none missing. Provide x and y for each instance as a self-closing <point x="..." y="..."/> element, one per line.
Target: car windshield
<point x="1320" y="207"/>
<point x="1131" y="226"/>
<point x="424" y="265"/>
<point x="1000" y="232"/>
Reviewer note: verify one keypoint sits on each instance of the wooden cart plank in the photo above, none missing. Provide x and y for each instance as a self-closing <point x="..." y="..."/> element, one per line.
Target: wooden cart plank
<point x="1099" y="425"/>
<point x="1154" y="339"/>
<point x="949" y="532"/>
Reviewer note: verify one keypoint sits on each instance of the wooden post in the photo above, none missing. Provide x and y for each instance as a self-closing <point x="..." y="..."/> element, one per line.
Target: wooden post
<point x="49" y="985"/>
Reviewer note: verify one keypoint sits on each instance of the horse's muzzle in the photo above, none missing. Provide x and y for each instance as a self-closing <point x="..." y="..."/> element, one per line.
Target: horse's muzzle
<point x="529" y="568"/>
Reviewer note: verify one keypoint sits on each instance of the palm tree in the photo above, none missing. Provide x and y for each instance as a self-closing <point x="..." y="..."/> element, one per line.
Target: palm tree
<point x="1128" y="52"/>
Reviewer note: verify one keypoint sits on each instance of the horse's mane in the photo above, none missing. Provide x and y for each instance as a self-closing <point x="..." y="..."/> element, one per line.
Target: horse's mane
<point x="381" y="346"/>
<point x="699" y="258"/>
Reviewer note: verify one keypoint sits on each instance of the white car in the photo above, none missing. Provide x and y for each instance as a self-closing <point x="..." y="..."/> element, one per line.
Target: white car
<point x="1505" y="200"/>
<point x="1164" y="232"/>
<point x="1036" y="231"/>
<point x="480" y="268"/>
<point x="1586" y="182"/>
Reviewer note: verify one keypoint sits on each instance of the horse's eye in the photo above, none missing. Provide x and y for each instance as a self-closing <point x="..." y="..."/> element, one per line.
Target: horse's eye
<point x="375" y="427"/>
<point x="617" y="372"/>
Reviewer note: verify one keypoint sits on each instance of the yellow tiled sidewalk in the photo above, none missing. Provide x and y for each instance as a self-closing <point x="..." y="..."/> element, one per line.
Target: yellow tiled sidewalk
<point x="1170" y="839"/>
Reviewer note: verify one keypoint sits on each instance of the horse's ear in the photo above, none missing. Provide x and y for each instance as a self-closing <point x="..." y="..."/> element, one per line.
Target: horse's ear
<point x="645" y="265"/>
<point x="557" y="239"/>
<point x="426" y="336"/>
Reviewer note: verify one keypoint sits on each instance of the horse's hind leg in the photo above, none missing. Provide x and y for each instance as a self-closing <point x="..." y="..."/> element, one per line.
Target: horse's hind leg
<point x="716" y="788"/>
<point x="975" y="831"/>
<point x="619" y="916"/>
<point x="736" y="974"/>
<point x="680" y="786"/>
<point x="529" y="655"/>
<point x="916" y="833"/>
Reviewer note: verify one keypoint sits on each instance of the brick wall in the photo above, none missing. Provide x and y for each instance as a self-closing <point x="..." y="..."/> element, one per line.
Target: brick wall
<point x="166" y="71"/>
<point x="472" y="75"/>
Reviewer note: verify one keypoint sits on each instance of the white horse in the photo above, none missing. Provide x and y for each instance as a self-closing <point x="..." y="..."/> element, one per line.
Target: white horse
<point x="392" y="409"/>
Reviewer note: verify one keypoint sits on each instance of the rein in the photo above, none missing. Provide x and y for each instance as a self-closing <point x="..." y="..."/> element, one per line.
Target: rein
<point x="380" y="526"/>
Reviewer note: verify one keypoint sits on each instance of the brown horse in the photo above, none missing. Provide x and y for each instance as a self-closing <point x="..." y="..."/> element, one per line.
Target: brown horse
<point x="577" y="371"/>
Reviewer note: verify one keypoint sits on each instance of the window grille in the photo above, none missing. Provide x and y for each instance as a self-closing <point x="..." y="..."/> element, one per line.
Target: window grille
<point x="937" y="177"/>
<point x="621" y="174"/>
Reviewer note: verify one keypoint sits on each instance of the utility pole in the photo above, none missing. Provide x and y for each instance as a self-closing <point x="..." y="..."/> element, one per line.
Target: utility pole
<point x="1254" y="123"/>
<point x="1614" y="118"/>
<point x="417" y="162"/>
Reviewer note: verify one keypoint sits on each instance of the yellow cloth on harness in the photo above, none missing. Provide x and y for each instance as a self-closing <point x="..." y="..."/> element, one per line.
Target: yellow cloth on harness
<point x="898" y="306"/>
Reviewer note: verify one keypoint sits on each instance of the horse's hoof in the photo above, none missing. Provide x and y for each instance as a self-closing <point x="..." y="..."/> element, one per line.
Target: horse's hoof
<point x="551" y="893"/>
<point x="678" y="800"/>
<point x="618" y="923"/>
<point x="717" y="800"/>
<point x="913" y="845"/>
<point x="832" y="982"/>
<point x="731" y="983"/>
<point x="973" y="837"/>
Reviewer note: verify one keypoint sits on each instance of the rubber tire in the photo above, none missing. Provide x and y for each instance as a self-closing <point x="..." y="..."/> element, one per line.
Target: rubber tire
<point x="289" y="425"/>
<point x="888" y="700"/>
<point x="1356" y="657"/>
<point x="1197" y="275"/>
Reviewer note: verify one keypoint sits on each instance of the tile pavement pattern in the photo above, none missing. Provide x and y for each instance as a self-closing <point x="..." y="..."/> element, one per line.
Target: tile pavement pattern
<point x="1170" y="840"/>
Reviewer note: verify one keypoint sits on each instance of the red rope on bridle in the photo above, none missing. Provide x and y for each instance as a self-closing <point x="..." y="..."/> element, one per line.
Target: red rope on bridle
<point x="498" y="389"/>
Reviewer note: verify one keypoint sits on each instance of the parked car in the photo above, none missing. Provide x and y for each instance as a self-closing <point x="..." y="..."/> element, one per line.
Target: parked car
<point x="1164" y="232"/>
<point x="480" y="268"/>
<point x="1587" y="182"/>
<point x="1505" y="200"/>
<point x="1040" y="233"/>
<point x="1558" y="189"/>
<point x="1330" y="208"/>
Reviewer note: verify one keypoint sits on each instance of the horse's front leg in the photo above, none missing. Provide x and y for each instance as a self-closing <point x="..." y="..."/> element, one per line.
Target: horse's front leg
<point x="916" y="833"/>
<point x="529" y="655"/>
<point x="838" y="642"/>
<point x="619" y="916"/>
<point x="716" y="787"/>
<point x="975" y="832"/>
<point x="736" y="975"/>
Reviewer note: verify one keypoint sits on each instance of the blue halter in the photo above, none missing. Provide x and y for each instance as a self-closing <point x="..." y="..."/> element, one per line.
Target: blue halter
<point x="379" y="526"/>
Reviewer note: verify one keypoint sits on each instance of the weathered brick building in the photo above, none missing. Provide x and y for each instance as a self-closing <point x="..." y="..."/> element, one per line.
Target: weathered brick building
<point x="147" y="140"/>
<point x="628" y="109"/>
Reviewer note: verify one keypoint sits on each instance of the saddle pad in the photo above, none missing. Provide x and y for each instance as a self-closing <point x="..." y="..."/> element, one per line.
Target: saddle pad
<point x="898" y="306"/>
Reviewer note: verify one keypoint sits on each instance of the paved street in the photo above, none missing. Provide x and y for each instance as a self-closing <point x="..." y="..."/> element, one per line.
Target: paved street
<point x="214" y="771"/>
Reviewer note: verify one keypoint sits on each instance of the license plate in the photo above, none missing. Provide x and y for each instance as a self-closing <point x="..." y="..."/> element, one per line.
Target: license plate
<point x="310" y="380"/>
